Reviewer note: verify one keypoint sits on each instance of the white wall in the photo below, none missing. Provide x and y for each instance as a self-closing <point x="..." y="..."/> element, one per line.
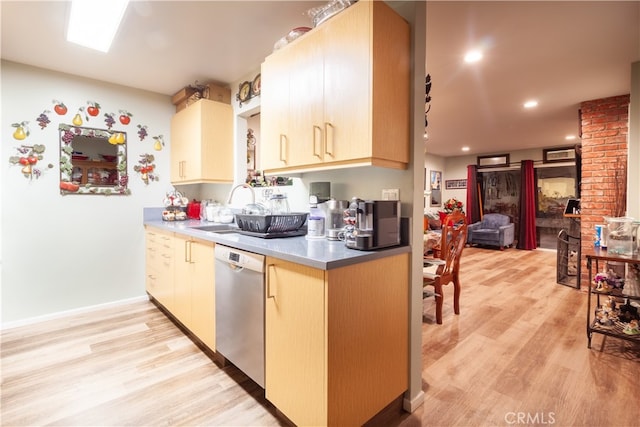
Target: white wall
<point x="66" y="252"/>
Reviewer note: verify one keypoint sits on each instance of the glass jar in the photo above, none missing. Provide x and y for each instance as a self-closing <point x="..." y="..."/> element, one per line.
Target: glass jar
<point x="278" y="204"/>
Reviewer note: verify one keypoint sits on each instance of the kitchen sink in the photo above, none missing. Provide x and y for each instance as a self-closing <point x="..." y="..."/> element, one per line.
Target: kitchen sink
<point x="219" y="228"/>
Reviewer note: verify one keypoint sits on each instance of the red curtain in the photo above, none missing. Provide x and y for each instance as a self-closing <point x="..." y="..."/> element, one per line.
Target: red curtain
<point x="527" y="234"/>
<point x="474" y="207"/>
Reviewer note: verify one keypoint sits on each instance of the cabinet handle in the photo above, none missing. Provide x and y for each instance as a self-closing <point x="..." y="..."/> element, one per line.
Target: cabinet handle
<point x="328" y="137"/>
<point x="283" y="139"/>
<point x="187" y="252"/>
<point x="316" y="130"/>
<point x="271" y="292"/>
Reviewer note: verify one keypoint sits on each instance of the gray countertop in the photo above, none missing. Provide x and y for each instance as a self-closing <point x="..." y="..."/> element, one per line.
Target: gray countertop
<point x="317" y="253"/>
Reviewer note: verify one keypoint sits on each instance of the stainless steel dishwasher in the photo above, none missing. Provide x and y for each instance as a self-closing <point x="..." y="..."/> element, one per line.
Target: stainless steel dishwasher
<point x="240" y="309"/>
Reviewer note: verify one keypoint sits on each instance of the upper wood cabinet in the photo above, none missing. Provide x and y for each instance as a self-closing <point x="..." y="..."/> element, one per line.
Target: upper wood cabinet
<point x="202" y="143"/>
<point x="344" y="88"/>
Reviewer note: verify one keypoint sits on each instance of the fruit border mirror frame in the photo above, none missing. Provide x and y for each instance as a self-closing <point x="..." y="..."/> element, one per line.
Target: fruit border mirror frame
<point x="100" y="168"/>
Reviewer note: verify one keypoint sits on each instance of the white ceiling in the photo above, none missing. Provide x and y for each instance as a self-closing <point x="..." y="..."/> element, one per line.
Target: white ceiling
<point x="560" y="53"/>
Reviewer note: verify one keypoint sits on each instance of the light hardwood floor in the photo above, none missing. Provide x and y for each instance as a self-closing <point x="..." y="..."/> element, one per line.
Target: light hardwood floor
<point x="516" y="355"/>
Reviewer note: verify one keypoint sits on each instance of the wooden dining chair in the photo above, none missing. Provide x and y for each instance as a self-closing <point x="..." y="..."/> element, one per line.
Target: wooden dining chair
<point x="447" y="265"/>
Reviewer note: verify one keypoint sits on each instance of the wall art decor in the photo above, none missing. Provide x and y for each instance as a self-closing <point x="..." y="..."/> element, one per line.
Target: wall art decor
<point x="22" y="130"/>
<point x="142" y="132"/>
<point x="92" y="161"/>
<point x="454" y="184"/>
<point x="43" y="119"/>
<point x="125" y="117"/>
<point x="93" y="110"/>
<point x="59" y="107"/>
<point x="29" y="156"/>
<point x="435" y="182"/>
<point x="146" y="168"/>
<point x="159" y="142"/>
<point x="109" y="120"/>
<point x="77" y="119"/>
<point x="249" y="89"/>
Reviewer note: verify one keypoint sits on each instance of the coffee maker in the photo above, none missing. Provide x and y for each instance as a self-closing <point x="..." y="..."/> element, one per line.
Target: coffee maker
<point x="377" y="224"/>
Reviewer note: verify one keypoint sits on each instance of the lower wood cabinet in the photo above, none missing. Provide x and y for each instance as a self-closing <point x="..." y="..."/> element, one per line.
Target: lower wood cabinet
<point x="159" y="268"/>
<point x="186" y="286"/>
<point x="336" y="341"/>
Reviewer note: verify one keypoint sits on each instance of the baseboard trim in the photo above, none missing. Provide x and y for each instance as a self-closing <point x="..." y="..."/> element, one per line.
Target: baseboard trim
<point x="411" y="405"/>
<point x="67" y="313"/>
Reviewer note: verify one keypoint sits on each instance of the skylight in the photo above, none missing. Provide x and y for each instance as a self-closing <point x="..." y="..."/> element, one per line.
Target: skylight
<point x="94" y="23"/>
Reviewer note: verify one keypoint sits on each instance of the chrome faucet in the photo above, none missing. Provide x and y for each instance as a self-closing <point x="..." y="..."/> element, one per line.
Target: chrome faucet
<point x="245" y="185"/>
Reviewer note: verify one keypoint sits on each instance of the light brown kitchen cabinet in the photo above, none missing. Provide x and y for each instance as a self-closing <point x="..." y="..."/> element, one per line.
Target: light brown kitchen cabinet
<point x="160" y="267"/>
<point x="200" y="279"/>
<point x="202" y="143"/>
<point x="348" y="82"/>
<point x="336" y="342"/>
<point x="186" y="286"/>
<point x="276" y="96"/>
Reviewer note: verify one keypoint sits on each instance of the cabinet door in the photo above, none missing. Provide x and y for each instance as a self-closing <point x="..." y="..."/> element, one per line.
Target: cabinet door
<point x="186" y="134"/>
<point x="160" y="267"/>
<point x="182" y="285"/>
<point x="347" y="85"/>
<point x="202" y="143"/>
<point x="295" y="337"/>
<point x="306" y="100"/>
<point x="152" y="261"/>
<point x="203" y="293"/>
<point x="274" y="121"/>
<point x="216" y="155"/>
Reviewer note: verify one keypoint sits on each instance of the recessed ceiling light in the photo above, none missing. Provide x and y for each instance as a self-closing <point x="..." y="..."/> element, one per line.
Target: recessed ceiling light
<point x="473" y="56"/>
<point x="570" y="137"/>
<point x="531" y="104"/>
<point x="465" y="148"/>
<point x="94" y="24"/>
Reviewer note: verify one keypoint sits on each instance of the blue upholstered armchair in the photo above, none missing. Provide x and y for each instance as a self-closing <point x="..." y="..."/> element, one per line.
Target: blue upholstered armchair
<point x="494" y="230"/>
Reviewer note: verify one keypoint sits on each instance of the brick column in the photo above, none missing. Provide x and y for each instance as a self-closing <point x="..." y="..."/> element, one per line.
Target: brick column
<point x="605" y="126"/>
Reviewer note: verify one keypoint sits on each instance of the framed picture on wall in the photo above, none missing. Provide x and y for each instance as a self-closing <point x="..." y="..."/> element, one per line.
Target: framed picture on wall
<point x="455" y="184"/>
<point x="435" y="184"/>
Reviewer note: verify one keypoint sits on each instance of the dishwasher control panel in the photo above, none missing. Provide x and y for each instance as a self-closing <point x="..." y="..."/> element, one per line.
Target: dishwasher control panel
<point x="240" y="258"/>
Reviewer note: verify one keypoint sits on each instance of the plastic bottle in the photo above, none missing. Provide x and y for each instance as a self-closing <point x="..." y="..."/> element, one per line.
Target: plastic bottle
<point x="315" y="223"/>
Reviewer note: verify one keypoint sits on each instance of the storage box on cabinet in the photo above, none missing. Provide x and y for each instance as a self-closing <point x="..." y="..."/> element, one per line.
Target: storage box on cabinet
<point x="344" y="89"/>
<point x="202" y="143"/>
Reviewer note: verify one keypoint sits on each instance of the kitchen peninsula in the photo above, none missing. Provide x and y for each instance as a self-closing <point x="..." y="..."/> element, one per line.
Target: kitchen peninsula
<point x="336" y="343"/>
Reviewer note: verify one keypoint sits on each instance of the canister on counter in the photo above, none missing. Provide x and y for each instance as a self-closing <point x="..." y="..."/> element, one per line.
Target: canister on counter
<point x="599" y="236"/>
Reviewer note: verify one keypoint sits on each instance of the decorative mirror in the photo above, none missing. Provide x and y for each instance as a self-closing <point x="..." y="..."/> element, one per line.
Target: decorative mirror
<point x="92" y="161"/>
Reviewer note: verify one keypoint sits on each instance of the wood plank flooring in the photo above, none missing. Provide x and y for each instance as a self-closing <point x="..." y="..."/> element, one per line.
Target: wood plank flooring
<point x="516" y="355"/>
